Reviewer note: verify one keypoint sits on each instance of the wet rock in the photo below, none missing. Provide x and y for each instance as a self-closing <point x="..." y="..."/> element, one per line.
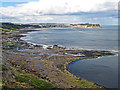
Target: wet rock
<point x="55" y="46"/>
<point x="49" y="47"/>
<point x="38" y="46"/>
<point x="19" y="35"/>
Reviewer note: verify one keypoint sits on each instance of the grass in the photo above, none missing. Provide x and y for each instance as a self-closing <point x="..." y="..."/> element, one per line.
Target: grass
<point x="10" y="44"/>
<point x="86" y="84"/>
<point x="8" y="30"/>
<point x="34" y="81"/>
<point x="24" y="80"/>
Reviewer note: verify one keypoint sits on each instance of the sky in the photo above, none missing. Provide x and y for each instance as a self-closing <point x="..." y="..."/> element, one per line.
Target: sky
<point x="104" y="12"/>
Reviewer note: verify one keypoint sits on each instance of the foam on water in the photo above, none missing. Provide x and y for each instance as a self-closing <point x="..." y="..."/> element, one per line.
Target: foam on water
<point x="103" y="39"/>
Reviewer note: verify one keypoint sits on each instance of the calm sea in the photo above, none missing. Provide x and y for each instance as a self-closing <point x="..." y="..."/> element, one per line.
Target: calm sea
<point x="103" y="71"/>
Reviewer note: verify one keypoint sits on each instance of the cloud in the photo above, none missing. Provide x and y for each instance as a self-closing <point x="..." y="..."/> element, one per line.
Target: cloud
<point x="35" y="18"/>
<point x="63" y="19"/>
<point x="47" y="10"/>
<point x="59" y="7"/>
<point x="70" y="6"/>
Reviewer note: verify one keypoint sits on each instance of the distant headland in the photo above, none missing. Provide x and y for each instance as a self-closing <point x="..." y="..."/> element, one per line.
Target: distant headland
<point x="47" y="25"/>
<point x="86" y="25"/>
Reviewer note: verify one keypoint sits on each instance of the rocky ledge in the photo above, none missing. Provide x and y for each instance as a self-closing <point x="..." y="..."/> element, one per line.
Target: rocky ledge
<point x="49" y="64"/>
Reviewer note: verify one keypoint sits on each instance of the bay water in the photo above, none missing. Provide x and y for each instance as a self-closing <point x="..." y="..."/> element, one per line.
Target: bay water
<point x="104" y="70"/>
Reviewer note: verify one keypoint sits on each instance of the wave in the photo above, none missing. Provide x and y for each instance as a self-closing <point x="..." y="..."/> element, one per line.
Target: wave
<point x="66" y="47"/>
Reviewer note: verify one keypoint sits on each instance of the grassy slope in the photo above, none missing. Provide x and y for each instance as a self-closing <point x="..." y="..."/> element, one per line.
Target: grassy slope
<point x="24" y="80"/>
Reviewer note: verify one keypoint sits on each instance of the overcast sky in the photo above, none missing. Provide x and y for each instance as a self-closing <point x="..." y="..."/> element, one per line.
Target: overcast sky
<point x="104" y="12"/>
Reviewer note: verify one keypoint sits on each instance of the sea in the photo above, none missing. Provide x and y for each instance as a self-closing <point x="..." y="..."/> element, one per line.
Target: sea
<point x="103" y="70"/>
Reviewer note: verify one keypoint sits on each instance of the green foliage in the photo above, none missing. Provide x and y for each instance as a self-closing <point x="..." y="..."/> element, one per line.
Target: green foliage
<point x="6" y="30"/>
<point x="86" y="84"/>
<point x="34" y="81"/>
<point x="10" y="44"/>
<point x="11" y="26"/>
<point x="90" y="24"/>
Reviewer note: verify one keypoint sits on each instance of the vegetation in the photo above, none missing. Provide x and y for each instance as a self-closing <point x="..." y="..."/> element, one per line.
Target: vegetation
<point x="53" y="69"/>
<point x="6" y="30"/>
<point x="34" y="81"/>
<point x="10" y="44"/>
<point x="11" y="26"/>
<point x="86" y="84"/>
<point x="90" y="24"/>
<point x="3" y="67"/>
<point x="24" y="80"/>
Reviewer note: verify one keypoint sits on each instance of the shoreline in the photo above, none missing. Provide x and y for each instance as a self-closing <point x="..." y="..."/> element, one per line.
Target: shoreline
<point x="69" y="58"/>
<point x="78" y="75"/>
<point x="71" y="48"/>
<point x="67" y="66"/>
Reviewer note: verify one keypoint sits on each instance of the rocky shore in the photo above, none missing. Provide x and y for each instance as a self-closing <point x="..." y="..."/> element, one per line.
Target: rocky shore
<point x="49" y="64"/>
